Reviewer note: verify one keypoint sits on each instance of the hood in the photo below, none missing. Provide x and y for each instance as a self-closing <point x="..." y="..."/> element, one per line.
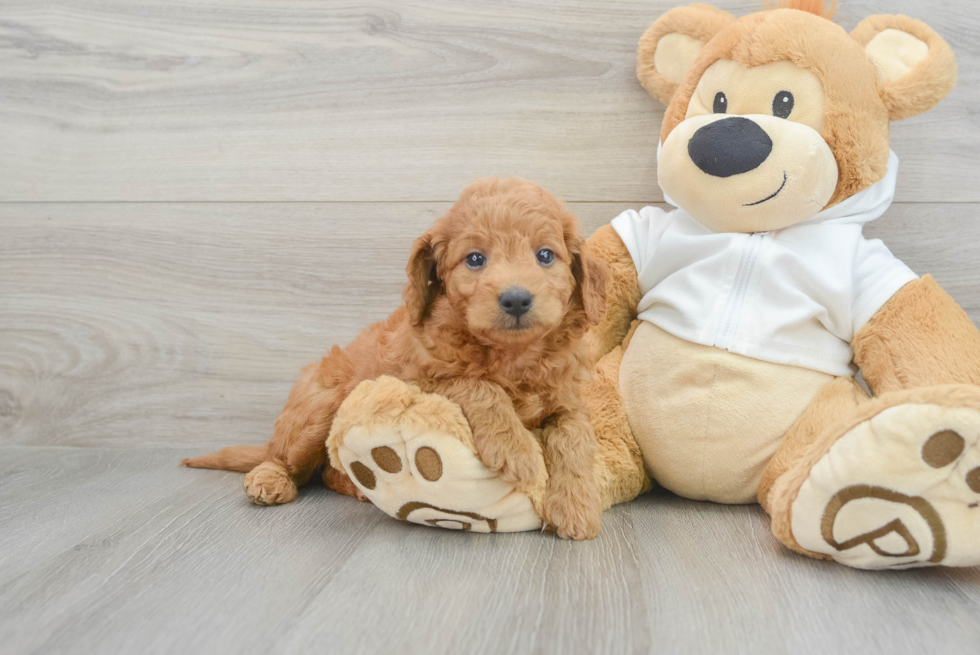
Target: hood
<point x="861" y="208"/>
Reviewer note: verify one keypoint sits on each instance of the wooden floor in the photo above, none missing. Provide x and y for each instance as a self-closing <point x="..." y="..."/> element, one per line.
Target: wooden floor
<point x="198" y="198"/>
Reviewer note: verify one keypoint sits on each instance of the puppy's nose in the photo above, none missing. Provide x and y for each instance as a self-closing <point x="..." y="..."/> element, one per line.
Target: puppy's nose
<point x="516" y="301"/>
<point x="730" y="146"/>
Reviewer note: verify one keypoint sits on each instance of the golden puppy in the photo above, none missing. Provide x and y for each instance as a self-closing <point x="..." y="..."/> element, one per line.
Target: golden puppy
<point x="500" y="292"/>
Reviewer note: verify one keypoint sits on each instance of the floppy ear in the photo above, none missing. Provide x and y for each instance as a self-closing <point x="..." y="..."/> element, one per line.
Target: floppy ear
<point x="424" y="284"/>
<point x="916" y="68"/>
<point x="591" y="277"/>
<point x="670" y="46"/>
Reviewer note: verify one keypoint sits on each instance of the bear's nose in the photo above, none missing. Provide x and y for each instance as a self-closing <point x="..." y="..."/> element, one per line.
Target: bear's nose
<point x="730" y="146"/>
<point x="516" y="301"/>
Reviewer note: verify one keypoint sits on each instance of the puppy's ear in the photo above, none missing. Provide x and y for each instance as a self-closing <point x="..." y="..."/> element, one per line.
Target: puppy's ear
<point x="671" y="45"/>
<point x="424" y="284"/>
<point x="916" y="68"/>
<point x="591" y="278"/>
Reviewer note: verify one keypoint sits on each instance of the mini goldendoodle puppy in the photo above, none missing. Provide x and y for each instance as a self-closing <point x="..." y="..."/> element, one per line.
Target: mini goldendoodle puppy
<point x="500" y="292"/>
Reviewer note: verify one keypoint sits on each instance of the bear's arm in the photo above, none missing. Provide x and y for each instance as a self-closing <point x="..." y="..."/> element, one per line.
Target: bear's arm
<point x="623" y="292"/>
<point x="919" y="338"/>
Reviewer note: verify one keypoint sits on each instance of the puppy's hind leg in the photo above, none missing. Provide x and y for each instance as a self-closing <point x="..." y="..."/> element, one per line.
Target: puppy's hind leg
<point x="269" y="483"/>
<point x="298" y="447"/>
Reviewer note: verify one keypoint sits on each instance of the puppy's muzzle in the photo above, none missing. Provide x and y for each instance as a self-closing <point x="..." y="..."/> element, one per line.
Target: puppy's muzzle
<point x="729" y="147"/>
<point x="516" y="301"/>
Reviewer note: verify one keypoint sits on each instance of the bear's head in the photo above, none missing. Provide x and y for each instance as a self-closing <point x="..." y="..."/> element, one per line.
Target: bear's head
<point x="776" y="116"/>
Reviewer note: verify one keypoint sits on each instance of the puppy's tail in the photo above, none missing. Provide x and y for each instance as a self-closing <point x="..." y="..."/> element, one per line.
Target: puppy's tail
<point x="234" y="458"/>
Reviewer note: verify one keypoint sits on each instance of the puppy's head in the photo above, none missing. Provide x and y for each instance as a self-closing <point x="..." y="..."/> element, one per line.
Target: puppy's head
<point x="510" y="262"/>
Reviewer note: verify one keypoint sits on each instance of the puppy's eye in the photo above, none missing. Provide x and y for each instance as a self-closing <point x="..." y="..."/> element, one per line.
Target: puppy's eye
<point x="782" y="104"/>
<point x="475" y="260"/>
<point x="721" y="103"/>
<point x="545" y="257"/>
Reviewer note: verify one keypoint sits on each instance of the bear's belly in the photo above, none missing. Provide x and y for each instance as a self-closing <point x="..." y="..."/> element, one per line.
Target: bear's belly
<point x="706" y="420"/>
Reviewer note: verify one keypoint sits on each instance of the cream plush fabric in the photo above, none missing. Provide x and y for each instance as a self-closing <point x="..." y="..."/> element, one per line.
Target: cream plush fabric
<point x="794" y="296"/>
<point x="412" y="455"/>
<point x="708" y="421"/>
<point x="897" y="490"/>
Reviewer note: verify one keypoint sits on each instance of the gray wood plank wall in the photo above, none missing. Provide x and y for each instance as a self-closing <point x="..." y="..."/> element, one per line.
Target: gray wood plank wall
<point x="184" y="324"/>
<point x="390" y="100"/>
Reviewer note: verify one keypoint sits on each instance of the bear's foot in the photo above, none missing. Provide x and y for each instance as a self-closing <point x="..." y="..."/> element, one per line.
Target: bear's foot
<point x="412" y="455"/>
<point x="897" y="487"/>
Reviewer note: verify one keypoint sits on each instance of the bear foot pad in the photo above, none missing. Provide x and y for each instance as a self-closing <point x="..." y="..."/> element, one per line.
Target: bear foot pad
<point x="412" y="455"/>
<point x="899" y="490"/>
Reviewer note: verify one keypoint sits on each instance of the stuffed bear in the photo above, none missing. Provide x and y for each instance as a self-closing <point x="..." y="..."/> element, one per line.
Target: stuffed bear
<point x="725" y="367"/>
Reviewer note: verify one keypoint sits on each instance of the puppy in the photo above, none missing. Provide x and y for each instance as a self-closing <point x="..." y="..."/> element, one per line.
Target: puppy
<point x="501" y="290"/>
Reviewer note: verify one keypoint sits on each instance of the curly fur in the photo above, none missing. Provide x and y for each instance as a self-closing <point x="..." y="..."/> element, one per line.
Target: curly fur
<point x="451" y="337"/>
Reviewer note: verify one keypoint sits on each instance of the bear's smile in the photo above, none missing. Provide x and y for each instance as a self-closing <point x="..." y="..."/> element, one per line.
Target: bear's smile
<point x="769" y="197"/>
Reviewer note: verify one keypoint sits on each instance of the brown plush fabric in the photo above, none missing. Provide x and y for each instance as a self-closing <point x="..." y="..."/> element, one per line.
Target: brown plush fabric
<point x="815" y="7"/>
<point x="698" y="21"/>
<point x="920" y="348"/>
<point x="919" y="338"/>
<point x="622" y="292"/>
<point x="928" y="82"/>
<point x="784" y="491"/>
<point x="856" y="120"/>
<point x="837" y="398"/>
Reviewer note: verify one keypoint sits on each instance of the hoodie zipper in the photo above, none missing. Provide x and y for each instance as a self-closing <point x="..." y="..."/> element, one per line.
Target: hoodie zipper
<point x="728" y="325"/>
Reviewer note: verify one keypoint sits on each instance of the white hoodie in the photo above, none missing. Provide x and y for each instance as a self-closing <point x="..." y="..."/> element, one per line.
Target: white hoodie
<point x="794" y="296"/>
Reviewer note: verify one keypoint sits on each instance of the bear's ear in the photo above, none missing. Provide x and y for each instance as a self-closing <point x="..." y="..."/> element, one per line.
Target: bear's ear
<point x="670" y="46"/>
<point x="916" y="68"/>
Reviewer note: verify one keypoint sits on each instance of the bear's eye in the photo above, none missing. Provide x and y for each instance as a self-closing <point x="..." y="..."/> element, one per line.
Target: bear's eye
<point x="782" y="104"/>
<point x="721" y="103"/>
<point x="475" y="260"/>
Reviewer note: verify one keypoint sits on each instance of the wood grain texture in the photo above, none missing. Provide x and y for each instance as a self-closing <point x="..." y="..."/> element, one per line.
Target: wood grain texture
<point x="392" y="100"/>
<point x="161" y="324"/>
<point x="121" y="551"/>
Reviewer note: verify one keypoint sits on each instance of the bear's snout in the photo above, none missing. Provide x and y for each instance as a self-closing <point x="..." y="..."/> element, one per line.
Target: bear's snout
<point x="729" y="146"/>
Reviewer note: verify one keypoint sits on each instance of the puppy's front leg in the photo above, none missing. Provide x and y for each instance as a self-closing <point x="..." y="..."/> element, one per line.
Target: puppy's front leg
<point x="502" y="442"/>
<point x="571" y="503"/>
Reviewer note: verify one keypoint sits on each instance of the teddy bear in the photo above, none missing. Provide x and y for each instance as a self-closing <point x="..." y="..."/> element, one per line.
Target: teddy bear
<point x="737" y="320"/>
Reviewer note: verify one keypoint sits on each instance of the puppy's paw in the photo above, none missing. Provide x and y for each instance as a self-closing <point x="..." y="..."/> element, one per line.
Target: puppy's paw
<point x="515" y="460"/>
<point x="573" y="512"/>
<point x="269" y="484"/>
